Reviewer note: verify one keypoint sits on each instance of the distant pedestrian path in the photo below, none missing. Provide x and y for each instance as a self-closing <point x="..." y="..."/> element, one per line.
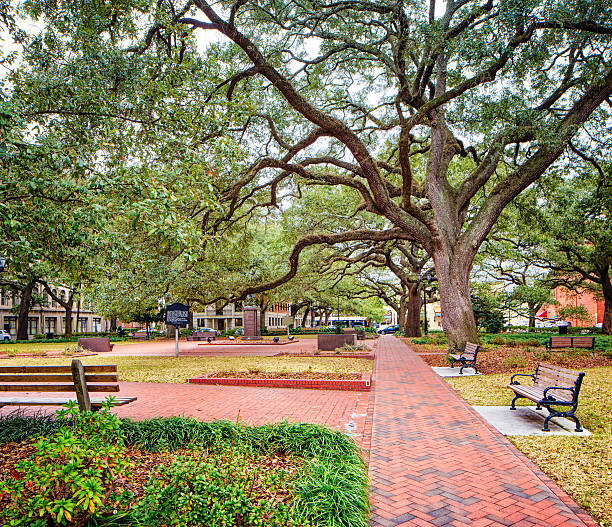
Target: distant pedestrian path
<point x="435" y="462"/>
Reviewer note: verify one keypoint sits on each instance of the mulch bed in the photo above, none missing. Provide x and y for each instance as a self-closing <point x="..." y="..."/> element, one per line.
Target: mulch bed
<point x="508" y="360"/>
<point x="328" y="354"/>
<point x="147" y="464"/>
<point x="281" y="375"/>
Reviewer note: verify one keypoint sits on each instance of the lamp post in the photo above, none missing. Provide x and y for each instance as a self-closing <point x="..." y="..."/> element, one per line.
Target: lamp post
<point x="338" y="319"/>
<point x="428" y="278"/>
<point x="2" y="264"/>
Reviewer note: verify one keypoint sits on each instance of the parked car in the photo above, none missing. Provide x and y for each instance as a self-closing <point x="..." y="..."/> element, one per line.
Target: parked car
<point x="214" y="331"/>
<point x="393" y="328"/>
<point x="4" y="335"/>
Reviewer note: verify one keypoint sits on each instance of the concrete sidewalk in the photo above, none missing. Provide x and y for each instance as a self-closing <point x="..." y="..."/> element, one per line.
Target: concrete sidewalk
<point x="435" y="462"/>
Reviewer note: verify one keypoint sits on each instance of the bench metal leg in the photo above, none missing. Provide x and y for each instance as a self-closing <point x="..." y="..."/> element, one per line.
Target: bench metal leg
<point x="512" y="407"/>
<point x="467" y="366"/>
<point x="569" y="415"/>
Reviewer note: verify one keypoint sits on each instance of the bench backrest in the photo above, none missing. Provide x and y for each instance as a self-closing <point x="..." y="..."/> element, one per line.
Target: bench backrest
<point x="471" y="348"/>
<point x="583" y="342"/>
<point x="74" y="378"/>
<point x="99" y="344"/>
<point x="548" y="375"/>
<point x="571" y="342"/>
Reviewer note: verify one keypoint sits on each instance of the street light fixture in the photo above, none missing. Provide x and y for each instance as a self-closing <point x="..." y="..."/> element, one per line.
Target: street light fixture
<point x="2" y="264"/>
<point x="429" y="279"/>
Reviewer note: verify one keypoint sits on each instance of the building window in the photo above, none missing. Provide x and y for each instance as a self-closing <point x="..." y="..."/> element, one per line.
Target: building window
<point x="3" y="298"/>
<point x="201" y="323"/>
<point x="96" y="324"/>
<point x="53" y="302"/>
<point x="10" y="325"/>
<point x="238" y="322"/>
<point x="50" y="324"/>
<point x="82" y="325"/>
<point x="32" y="325"/>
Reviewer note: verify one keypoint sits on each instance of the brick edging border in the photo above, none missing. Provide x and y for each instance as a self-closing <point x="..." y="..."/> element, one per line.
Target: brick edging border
<point x="227" y="342"/>
<point x="368" y="356"/>
<point x="364" y="384"/>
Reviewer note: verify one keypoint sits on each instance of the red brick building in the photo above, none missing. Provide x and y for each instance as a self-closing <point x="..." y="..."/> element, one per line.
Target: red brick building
<point x="566" y="298"/>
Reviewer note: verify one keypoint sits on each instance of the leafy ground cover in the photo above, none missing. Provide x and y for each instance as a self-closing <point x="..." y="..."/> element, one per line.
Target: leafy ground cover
<point x="177" y="471"/>
<point x="177" y="370"/>
<point x="581" y="466"/>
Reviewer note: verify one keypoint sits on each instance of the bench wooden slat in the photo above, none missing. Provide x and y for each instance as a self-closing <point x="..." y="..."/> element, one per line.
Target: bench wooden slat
<point x="571" y="342"/>
<point x="94" y="368"/>
<point x="59" y="378"/>
<point x="56" y="378"/>
<point x="536" y="393"/>
<point x="56" y="388"/>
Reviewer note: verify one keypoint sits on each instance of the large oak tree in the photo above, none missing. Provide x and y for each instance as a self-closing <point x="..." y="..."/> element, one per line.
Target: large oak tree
<point x="437" y="113"/>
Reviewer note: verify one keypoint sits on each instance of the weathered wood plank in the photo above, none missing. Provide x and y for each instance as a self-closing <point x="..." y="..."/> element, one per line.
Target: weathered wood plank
<point x="56" y="388"/>
<point x="55" y="378"/>
<point x="93" y="368"/>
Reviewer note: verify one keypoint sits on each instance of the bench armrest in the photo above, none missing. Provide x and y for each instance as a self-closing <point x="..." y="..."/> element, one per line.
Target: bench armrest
<point x="512" y="381"/>
<point x="555" y="388"/>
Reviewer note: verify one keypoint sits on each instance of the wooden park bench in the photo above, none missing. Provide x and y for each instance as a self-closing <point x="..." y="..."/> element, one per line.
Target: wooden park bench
<point x="139" y="335"/>
<point x="467" y="357"/>
<point x="96" y="344"/>
<point x="552" y="386"/>
<point x="202" y="335"/>
<point x="74" y="378"/>
<point x="571" y="342"/>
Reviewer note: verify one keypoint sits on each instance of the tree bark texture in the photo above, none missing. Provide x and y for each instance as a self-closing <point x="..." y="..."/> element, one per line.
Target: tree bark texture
<point x="606" y="287"/>
<point x="457" y="313"/>
<point x="25" y="306"/>
<point x="413" y="312"/>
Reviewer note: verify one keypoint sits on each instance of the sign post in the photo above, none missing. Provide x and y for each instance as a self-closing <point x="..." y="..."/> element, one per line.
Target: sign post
<point x="177" y="315"/>
<point x="288" y="321"/>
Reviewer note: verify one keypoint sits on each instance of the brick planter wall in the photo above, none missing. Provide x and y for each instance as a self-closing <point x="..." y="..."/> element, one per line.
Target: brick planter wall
<point x="329" y="341"/>
<point x="362" y="384"/>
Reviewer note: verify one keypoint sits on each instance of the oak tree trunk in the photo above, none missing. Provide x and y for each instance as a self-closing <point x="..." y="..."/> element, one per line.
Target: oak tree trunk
<point x="25" y="306"/>
<point x="68" y="324"/>
<point x="401" y="315"/>
<point x="413" y="312"/>
<point x="606" y="287"/>
<point x="456" y="305"/>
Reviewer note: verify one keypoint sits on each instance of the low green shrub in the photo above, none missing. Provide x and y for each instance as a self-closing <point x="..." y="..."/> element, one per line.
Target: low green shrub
<point x="330" y="489"/>
<point x="217" y="489"/>
<point x="72" y="474"/>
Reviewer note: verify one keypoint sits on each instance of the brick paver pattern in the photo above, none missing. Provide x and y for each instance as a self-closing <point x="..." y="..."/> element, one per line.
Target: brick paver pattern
<point x="435" y="462"/>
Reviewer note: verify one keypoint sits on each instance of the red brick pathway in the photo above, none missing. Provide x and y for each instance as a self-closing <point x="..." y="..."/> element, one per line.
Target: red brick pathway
<point x="434" y="462"/>
<point x="344" y="411"/>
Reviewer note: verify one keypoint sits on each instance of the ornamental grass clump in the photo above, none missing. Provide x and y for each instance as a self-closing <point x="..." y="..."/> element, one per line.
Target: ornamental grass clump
<point x="72" y="474"/>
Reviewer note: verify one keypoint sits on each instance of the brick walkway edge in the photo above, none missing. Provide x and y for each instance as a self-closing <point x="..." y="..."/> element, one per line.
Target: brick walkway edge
<point x="435" y="462"/>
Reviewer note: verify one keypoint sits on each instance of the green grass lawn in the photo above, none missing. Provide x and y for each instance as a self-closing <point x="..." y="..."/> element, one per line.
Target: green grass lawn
<point x="177" y="370"/>
<point x="581" y="466"/>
